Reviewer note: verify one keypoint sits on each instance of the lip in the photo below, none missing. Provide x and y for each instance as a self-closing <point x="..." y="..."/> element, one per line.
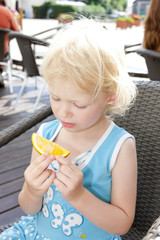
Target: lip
<point x="67" y="125"/>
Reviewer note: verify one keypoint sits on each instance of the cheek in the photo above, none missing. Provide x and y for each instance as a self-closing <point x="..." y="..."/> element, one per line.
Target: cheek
<point x="88" y="117"/>
<point x="95" y="114"/>
<point x="53" y="106"/>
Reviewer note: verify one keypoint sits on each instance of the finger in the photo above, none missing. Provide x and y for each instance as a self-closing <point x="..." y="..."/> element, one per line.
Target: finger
<point x="66" y="170"/>
<point x="35" y="169"/>
<point x="49" y="181"/>
<point x="43" y="177"/>
<point x="41" y="158"/>
<point x="38" y="160"/>
<point x="64" y="161"/>
<point x="63" y="178"/>
<point x="44" y="165"/>
<point x="59" y="185"/>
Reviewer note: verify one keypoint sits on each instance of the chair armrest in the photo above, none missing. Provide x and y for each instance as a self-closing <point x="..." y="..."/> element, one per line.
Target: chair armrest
<point x="147" y="52"/>
<point x="132" y="45"/>
<point x="33" y="40"/>
<point x="23" y="125"/>
<point x="48" y="30"/>
<point x="131" y="48"/>
<point x="154" y="231"/>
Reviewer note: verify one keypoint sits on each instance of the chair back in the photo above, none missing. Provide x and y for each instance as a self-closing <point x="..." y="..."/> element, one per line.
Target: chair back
<point x="152" y="59"/>
<point x="143" y="121"/>
<point x="3" y="33"/>
<point x="25" y="46"/>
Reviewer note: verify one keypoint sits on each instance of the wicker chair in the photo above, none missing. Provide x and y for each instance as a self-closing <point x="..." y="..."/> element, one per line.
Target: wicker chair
<point x="143" y="121"/>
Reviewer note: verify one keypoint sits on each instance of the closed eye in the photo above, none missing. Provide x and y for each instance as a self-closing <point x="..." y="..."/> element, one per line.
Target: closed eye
<point x="78" y="106"/>
<point x="55" y="98"/>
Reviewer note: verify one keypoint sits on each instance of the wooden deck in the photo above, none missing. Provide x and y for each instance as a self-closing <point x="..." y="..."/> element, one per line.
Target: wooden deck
<point x="15" y="156"/>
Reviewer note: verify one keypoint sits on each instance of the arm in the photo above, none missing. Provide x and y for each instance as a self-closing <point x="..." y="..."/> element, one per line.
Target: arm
<point x="13" y="24"/>
<point x="118" y="216"/>
<point x="37" y="182"/>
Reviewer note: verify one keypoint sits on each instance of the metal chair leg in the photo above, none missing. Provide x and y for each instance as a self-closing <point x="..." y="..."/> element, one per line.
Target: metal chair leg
<point x="39" y="96"/>
<point x="10" y="76"/>
<point x="20" y="92"/>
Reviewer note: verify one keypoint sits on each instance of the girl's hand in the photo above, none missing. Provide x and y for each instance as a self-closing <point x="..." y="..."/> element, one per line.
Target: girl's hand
<point x="38" y="178"/>
<point x="69" y="180"/>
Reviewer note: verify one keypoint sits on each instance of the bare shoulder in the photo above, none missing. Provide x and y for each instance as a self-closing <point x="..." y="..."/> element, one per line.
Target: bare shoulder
<point x="127" y="157"/>
<point x="128" y="147"/>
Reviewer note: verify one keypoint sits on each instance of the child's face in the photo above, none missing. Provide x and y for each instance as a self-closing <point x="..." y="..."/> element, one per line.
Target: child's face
<point x="75" y="109"/>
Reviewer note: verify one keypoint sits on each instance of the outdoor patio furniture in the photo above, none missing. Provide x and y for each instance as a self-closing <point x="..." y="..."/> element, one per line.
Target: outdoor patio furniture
<point x="4" y="57"/>
<point x="131" y="48"/>
<point x="26" y="46"/>
<point x="143" y="121"/>
<point x="135" y="71"/>
<point x="48" y="33"/>
<point x="152" y="59"/>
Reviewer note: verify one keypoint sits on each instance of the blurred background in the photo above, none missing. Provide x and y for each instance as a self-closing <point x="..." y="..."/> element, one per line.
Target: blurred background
<point x="107" y="9"/>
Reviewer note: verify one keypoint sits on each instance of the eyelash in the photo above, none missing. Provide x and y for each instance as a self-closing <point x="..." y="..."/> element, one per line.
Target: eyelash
<point x="79" y="106"/>
<point x="57" y="99"/>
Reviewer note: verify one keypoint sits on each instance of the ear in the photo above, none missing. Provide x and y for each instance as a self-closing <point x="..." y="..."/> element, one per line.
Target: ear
<point x="111" y="99"/>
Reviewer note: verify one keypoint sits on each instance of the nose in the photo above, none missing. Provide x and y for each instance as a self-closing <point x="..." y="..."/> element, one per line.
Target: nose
<point x="65" y="111"/>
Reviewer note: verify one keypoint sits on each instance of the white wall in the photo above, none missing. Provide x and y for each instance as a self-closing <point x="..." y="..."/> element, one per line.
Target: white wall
<point x="26" y="5"/>
<point x="11" y="3"/>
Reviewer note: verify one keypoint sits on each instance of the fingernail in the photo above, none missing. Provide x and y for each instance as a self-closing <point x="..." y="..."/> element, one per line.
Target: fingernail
<point x="52" y="157"/>
<point x="46" y="154"/>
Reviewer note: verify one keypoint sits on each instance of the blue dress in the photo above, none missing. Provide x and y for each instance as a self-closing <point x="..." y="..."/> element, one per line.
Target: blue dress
<point x="58" y="219"/>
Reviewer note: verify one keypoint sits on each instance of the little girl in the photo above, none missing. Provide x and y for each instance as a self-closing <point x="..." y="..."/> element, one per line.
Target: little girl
<point x="93" y="194"/>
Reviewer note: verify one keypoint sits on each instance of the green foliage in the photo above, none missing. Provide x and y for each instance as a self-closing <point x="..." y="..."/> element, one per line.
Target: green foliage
<point x="128" y="19"/>
<point x="41" y="11"/>
<point x="118" y="4"/>
<point x="92" y="10"/>
<point x="87" y="10"/>
<point x="109" y="5"/>
<point x="93" y="7"/>
<point x="58" y="9"/>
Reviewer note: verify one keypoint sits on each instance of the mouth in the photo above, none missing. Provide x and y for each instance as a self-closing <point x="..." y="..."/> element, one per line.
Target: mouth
<point x="67" y="125"/>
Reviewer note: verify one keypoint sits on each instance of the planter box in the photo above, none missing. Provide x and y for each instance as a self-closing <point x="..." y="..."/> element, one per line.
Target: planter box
<point x="65" y="20"/>
<point x="121" y="24"/>
<point x="136" y="22"/>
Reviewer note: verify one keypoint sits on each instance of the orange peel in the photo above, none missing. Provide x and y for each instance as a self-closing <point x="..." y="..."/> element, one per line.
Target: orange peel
<point x="43" y="145"/>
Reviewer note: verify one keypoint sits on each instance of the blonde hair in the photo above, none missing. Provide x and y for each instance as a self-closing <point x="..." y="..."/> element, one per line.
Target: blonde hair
<point x="87" y="54"/>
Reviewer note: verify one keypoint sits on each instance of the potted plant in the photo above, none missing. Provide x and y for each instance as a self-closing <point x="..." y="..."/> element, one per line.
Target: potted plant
<point x="129" y="21"/>
<point x="121" y="22"/>
<point x="124" y="22"/>
<point x="136" y="19"/>
<point x="65" y="18"/>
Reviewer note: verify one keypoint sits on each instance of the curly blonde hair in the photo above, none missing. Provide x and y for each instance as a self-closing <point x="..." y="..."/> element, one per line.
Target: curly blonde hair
<point x="87" y="54"/>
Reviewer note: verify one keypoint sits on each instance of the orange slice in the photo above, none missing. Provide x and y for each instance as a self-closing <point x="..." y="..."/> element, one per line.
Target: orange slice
<point x="43" y="145"/>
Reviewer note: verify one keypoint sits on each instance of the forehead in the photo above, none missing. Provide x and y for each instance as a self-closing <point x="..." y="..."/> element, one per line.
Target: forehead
<point x="67" y="88"/>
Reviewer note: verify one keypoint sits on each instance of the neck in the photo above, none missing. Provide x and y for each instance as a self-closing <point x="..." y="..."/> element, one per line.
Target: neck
<point x="91" y="134"/>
